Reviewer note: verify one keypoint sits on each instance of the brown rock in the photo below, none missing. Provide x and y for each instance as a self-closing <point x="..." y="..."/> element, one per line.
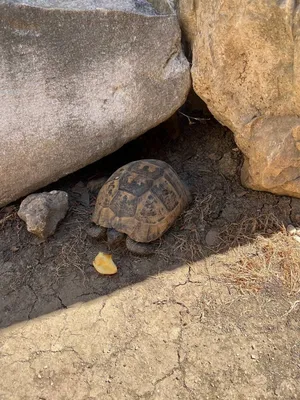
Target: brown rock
<point x="245" y="67"/>
<point x="272" y="159"/>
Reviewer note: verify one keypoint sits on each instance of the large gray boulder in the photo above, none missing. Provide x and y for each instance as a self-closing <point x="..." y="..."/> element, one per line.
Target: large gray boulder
<point x="78" y="79"/>
<point x="246" y="68"/>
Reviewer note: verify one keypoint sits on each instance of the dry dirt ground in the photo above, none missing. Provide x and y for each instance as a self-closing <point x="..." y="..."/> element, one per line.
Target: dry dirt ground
<point x="214" y="314"/>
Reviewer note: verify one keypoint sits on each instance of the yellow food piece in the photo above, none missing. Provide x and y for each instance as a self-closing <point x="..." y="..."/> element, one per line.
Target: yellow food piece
<point x="104" y="264"/>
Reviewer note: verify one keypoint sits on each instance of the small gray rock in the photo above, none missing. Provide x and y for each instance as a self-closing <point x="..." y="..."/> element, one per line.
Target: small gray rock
<point x="212" y="237"/>
<point x="297" y="238"/>
<point x="228" y="165"/>
<point x="291" y="230"/>
<point x="43" y="211"/>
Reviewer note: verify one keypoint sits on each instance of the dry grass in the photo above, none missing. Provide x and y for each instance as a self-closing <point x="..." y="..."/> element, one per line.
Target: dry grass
<point x="7" y="214"/>
<point x="187" y="242"/>
<point x="255" y="253"/>
<point x="200" y="210"/>
<point x="73" y="252"/>
<point x="264" y="262"/>
<point x="260" y="253"/>
<point x="73" y="249"/>
<point x="240" y="233"/>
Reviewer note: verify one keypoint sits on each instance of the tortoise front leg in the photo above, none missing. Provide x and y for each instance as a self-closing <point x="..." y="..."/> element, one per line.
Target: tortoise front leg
<point x="114" y="238"/>
<point x="141" y="249"/>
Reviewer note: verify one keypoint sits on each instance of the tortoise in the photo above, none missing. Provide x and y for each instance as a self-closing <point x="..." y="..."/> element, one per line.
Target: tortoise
<point x="142" y="199"/>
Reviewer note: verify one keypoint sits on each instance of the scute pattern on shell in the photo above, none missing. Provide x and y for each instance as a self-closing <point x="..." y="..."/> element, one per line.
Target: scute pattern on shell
<point x="141" y="199"/>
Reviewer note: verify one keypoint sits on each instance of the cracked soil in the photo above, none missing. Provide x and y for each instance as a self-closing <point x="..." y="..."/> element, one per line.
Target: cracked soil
<point x="185" y="323"/>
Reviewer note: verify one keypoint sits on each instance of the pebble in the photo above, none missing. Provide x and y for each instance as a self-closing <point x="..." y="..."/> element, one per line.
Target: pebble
<point x="228" y="165"/>
<point x="241" y="194"/>
<point x="291" y="230"/>
<point x="214" y="156"/>
<point x="297" y="238"/>
<point x="212" y="237"/>
<point x="297" y="218"/>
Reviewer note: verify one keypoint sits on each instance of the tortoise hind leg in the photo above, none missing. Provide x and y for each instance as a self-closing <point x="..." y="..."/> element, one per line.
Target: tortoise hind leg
<point x="141" y="249"/>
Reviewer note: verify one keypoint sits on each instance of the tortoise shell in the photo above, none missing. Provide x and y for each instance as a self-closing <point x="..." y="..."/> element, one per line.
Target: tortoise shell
<point x="141" y="199"/>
